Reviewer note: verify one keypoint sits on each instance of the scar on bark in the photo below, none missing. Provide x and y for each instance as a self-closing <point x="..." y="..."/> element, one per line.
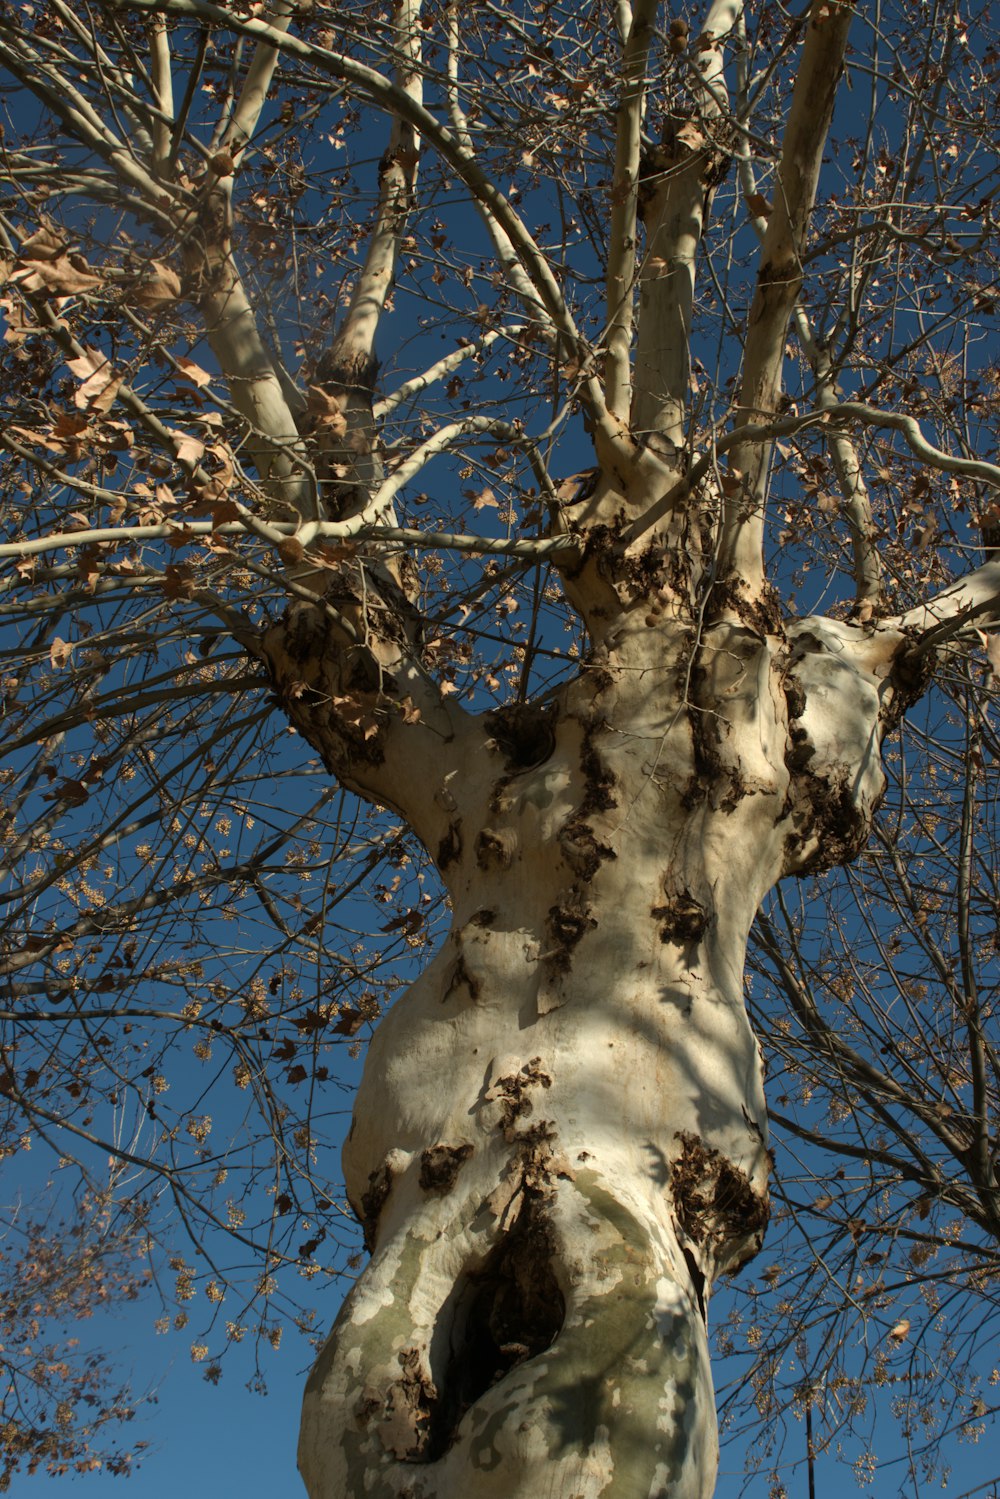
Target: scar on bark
<point x="716" y="1202"/>
<point x="407" y="1411"/>
<point x="582" y="850"/>
<point x="372" y="1202"/>
<point x="440" y="1165"/>
<point x="450" y="847"/>
<point x="460" y="976"/>
<point x="496" y="846"/>
<point x="505" y="1310"/>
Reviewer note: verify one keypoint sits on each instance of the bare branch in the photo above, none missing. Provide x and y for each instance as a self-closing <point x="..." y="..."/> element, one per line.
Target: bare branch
<point x="620" y="276"/>
<point x="681" y="177"/>
<point x="778" y="282"/>
<point x="973" y="602"/>
<point x="492" y="204"/>
<point x="256" y="85"/>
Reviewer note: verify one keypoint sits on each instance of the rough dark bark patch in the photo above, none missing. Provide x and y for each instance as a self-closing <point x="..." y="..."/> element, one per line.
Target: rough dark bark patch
<point x="415" y="1397"/>
<point x="715" y="1201"/>
<point x="599" y="780"/>
<point x="299" y="652"/>
<point x="450" y="847"/>
<point x="683" y="919"/>
<point x="440" y="1165"/>
<point x="826" y="811"/>
<point x="913" y="670"/>
<point x="372" y="1202"/>
<point x="512" y="1092"/>
<point x="566" y="925"/>
<point x="711" y="774"/>
<point x="762" y="613"/>
<point x="336" y="372"/>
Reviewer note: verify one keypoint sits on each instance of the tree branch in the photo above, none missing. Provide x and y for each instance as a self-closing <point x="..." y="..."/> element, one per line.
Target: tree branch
<point x="778" y="282"/>
<point x="620" y="277"/>
<point x="676" y="196"/>
<point x="759" y="434"/>
<point x="614" y="448"/>
<point x="847" y="465"/>
<point x="256" y="85"/>
<point x="974" y="601"/>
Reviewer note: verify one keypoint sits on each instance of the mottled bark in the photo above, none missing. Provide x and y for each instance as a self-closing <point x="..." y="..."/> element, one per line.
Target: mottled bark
<point x="560" y="1139"/>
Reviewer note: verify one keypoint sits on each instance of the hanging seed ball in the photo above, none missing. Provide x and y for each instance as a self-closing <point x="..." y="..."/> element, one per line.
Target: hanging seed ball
<point x="679" y="30"/>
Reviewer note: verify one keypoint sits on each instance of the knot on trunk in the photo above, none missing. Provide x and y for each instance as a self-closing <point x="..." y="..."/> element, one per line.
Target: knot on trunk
<point x="717" y="1206"/>
<point x="566" y="924"/>
<point x="683" y="919"/>
<point x="440" y="1165"/>
<point x="496" y="847"/>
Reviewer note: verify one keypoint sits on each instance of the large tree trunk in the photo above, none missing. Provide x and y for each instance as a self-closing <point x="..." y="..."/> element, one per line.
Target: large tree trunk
<point x="560" y="1138"/>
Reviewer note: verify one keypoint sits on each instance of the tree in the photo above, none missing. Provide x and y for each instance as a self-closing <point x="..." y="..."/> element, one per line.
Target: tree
<point x="728" y="271"/>
<point x="57" y="1397"/>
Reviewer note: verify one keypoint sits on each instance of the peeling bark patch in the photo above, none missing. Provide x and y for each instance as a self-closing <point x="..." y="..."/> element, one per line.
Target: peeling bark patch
<point x="450" y="847"/>
<point x="512" y="1092"/>
<point x="405" y="1426"/>
<point x="440" y="1165"/>
<point x="372" y="1202"/>
<point x="717" y="1205"/>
